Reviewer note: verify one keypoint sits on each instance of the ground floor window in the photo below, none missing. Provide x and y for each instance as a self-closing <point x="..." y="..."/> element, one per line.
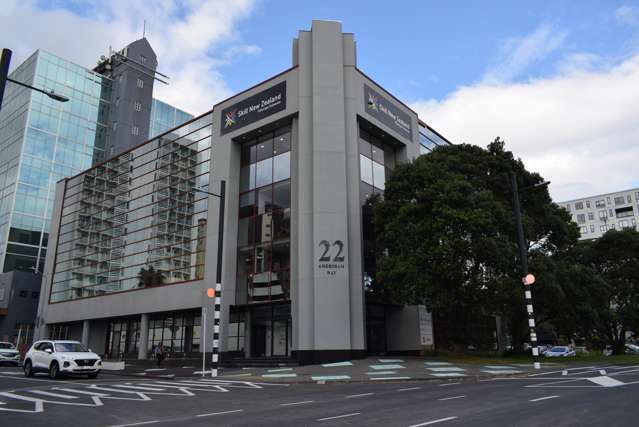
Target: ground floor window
<point x="123" y="338"/>
<point x="178" y="332"/>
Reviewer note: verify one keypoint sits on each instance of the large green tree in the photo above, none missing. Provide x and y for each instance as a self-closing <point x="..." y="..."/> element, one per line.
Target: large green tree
<point x="447" y="238"/>
<point x="614" y="286"/>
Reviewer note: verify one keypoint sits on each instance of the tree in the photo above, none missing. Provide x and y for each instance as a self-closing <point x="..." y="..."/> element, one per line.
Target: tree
<point x="149" y="277"/>
<point x="615" y="259"/>
<point x="446" y="234"/>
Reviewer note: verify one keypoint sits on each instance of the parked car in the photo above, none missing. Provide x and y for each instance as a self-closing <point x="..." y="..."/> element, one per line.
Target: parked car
<point x="560" y="351"/>
<point x="9" y="354"/>
<point x="61" y="357"/>
<point x="630" y="349"/>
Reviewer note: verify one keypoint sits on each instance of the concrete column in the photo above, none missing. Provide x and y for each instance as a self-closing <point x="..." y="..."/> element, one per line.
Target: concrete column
<point x="86" y="328"/>
<point x="144" y="336"/>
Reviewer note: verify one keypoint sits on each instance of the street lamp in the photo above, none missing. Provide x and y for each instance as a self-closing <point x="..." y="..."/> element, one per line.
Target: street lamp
<point x="527" y="278"/>
<point x="5" y="60"/>
<point x="215" y="293"/>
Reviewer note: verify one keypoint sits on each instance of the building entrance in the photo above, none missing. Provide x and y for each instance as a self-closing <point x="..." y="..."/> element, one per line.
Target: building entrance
<point x="271" y="330"/>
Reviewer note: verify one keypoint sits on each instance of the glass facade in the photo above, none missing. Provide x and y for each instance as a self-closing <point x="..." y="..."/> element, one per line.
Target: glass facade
<point x="429" y="140"/>
<point x="376" y="159"/>
<point x="165" y="117"/>
<point x="264" y="227"/>
<point x="44" y="141"/>
<point x="136" y="221"/>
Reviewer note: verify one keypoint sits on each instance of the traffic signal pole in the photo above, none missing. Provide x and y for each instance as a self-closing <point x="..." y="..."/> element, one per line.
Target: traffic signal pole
<point x="526" y="278"/>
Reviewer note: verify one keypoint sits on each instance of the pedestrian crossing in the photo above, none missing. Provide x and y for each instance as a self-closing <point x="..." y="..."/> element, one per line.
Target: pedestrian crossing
<point x="34" y="401"/>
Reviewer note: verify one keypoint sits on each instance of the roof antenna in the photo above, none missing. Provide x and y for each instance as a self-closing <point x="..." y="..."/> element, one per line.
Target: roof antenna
<point x="144" y="29"/>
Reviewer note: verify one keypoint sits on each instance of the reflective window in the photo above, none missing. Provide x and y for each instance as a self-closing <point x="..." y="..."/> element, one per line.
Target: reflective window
<point x="264" y="224"/>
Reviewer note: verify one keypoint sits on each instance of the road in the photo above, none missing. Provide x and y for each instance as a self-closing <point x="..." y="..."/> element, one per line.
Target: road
<point x="598" y="395"/>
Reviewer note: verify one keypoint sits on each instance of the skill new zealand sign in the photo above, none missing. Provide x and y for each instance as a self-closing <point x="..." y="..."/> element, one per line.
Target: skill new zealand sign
<point x="254" y="108"/>
<point x="380" y="108"/>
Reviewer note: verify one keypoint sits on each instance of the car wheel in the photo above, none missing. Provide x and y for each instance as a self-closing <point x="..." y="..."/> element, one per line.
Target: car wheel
<point x="28" y="369"/>
<point x="54" y="371"/>
<point x="93" y="375"/>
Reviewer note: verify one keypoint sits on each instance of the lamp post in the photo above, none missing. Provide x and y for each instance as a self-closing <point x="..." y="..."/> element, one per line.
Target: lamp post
<point x="527" y="278"/>
<point x="5" y="60"/>
<point x="216" y="292"/>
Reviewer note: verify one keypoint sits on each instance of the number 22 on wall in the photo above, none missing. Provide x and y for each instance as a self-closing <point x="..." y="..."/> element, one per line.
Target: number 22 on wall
<point x="327" y="248"/>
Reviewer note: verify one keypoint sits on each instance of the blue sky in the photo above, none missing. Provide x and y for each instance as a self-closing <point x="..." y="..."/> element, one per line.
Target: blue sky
<point x="426" y="49"/>
<point x="558" y="80"/>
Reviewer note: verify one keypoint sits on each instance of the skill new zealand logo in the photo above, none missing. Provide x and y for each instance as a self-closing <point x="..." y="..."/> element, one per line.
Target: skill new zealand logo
<point x="230" y="119"/>
<point x="372" y="102"/>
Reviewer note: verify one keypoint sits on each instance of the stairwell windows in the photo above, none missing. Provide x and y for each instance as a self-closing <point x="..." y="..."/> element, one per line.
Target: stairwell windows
<point x="140" y="83"/>
<point x="137" y="106"/>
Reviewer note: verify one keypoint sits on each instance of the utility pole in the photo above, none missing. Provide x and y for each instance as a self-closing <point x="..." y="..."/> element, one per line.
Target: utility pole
<point x="527" y="278"/>
<point x="5" y="60"/>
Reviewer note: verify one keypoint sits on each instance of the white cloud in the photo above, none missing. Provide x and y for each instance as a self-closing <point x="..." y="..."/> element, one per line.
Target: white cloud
<point x="517" y="53"/>
<point x="628" y="15"/>
<point x="192" y="39"/>
<point x="578" y="128"/>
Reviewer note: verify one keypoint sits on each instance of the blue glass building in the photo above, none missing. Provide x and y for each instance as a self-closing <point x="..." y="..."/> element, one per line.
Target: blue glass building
<point x="43" y="141"/>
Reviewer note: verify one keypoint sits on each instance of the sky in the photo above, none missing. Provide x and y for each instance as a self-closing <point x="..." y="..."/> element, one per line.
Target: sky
<point x="557" y="80"/>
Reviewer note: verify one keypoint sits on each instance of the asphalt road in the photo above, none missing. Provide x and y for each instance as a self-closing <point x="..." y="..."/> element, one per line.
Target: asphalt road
<point x="600" y="395"/>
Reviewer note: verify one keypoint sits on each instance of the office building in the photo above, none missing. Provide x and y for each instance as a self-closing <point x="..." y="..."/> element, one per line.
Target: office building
<point x="300" y="155"/>
<point x="43" y="140"/>
<point x="597" y="214"/>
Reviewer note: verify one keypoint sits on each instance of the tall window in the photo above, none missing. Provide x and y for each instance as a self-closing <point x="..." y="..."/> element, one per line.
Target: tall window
<point x="138" y="106"/>
<point x="264" y="231"/>
<point x="140" y="83"/>
<point x="374" y="159"/>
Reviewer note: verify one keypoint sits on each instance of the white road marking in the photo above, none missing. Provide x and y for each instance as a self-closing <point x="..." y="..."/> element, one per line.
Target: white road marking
<point x="219" y="413"/>
<point x="382" y="373"/>
<point x="437" y="363"/>
<point x="279" y="375"/>
<point x="137" y="387"/>
<point x="386" y="367"/>
<point x="499" y="367"/>
<point x="339" y="416"/>
<point x="448" y="369"/>
<point x="453" y="397"/>
<point x="138" y="424"/>
<point x="502" y="371"/>
<point x="409" y="389"/>
<point x="543" y="398"/>
<point x="605" y="381"/>
<point x="333" y="365"/>
<point x="12" y="373"/>
<point x="602" y="372"/>
<point x="238" y="375"/>
<point x="444" y="385"/>
<point x="48" y="393"/>
<point x="433" y="422"/>
<point x="297" y="403"/>
<point x="448" y="374"/>
<point x="389" y="378"/>
<point x="391" y="360"/>
<point x="280" y="370"/>
<point x="556" y="372"/>
<point x="352" y="396"/>
<point x="331" y="378"/>
<point x="155" y="369"/>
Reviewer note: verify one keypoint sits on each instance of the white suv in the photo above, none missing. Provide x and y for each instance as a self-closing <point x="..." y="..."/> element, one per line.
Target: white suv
<point x="8" y="353"/>
<point x="61" y="357"/>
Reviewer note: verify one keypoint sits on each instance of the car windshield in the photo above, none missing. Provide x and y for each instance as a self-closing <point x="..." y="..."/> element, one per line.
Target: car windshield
<point x="6" y="346"/>
<point x="70" y="347"/>
<point x="631" y="346"/>
<point x="558" y="349"/>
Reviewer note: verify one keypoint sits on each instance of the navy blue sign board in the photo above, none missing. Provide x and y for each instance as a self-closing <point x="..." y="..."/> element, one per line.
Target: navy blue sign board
<point x="253" y="108"/>
<point x="379" y="107"/>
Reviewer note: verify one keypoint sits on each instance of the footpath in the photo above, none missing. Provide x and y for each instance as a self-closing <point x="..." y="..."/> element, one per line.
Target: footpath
<point x="371" y="369"/>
